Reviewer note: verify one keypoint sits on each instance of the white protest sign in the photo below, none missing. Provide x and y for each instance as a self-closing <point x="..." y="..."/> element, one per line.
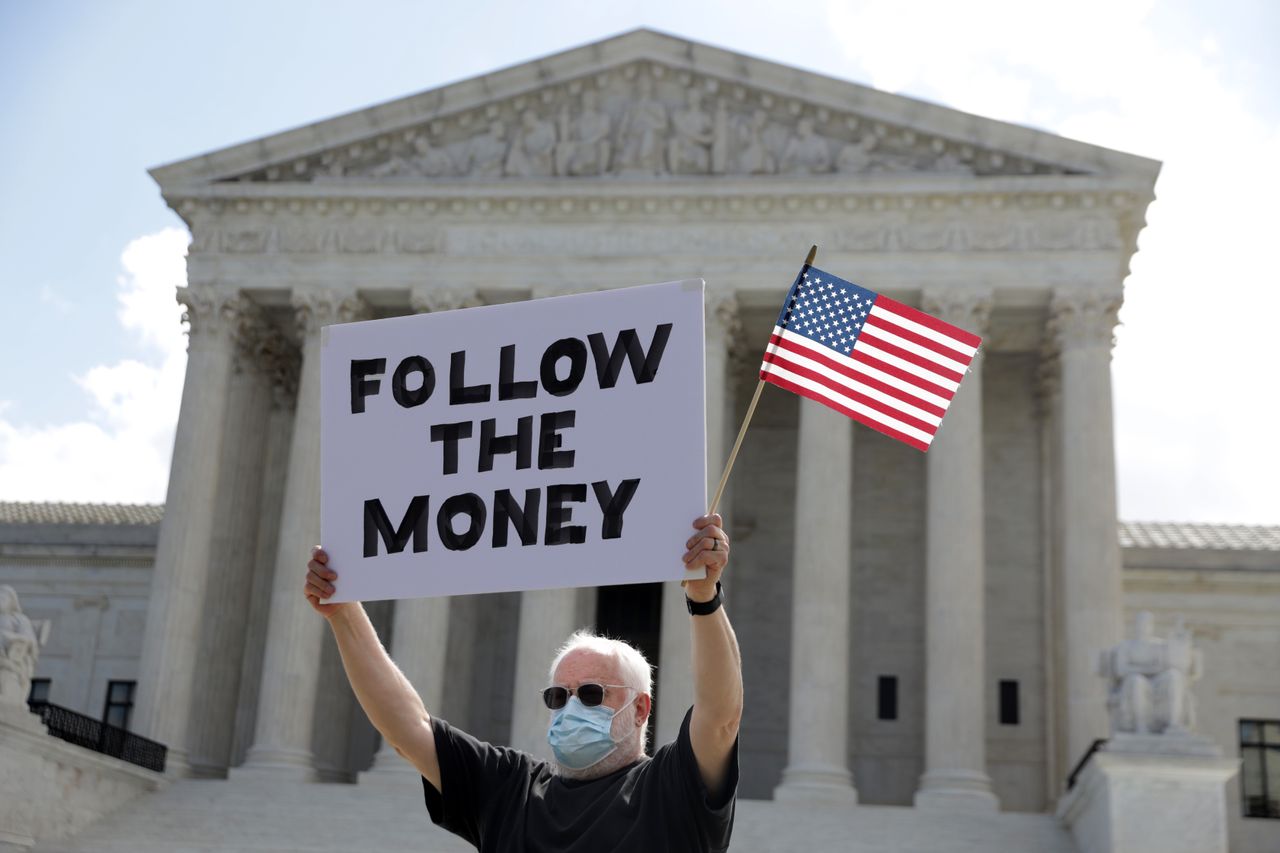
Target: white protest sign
<point x="552" y="443"/>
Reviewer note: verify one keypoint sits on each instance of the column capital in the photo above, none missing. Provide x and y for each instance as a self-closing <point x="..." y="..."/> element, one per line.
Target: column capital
<point x="722" y="313"/>
<point x="967" y="307"/>
<point x="427" y="299"/>
<point x="313" y="310"/>
<point x="1082" y="319"/>
<point x="281" y="362"/>
<point x="250" y="328"/>
<point x="211" y="314"/>
<point x="724" y="323"/>
<point x="261" y="345"/>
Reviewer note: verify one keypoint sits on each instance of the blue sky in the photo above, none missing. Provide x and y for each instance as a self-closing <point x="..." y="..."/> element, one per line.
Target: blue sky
<point x="94" y="93"/>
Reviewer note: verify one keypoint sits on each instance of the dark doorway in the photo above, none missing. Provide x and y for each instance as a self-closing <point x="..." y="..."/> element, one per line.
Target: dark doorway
<point x="633" y="612"/>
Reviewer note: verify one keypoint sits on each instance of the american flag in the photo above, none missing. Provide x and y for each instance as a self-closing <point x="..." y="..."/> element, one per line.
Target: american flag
<point x="880" y="362"/>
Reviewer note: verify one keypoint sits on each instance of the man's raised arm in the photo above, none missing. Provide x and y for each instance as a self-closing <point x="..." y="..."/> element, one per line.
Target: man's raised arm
<point x="717" y="664"/>
<point x="390" y="701"/>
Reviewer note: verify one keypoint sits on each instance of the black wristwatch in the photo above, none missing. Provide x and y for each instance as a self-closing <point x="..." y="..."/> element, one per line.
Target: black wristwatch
<point x="705" y="608"/>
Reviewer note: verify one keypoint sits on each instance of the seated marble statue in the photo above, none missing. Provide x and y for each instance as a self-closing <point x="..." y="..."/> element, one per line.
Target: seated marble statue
<point x="1150" y="680"/>
<point x="19" y="647"/>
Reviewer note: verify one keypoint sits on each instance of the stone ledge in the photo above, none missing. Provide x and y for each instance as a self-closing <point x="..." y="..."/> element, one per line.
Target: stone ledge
<point x="52" y="789"/>
<point x="1134" y="802"/>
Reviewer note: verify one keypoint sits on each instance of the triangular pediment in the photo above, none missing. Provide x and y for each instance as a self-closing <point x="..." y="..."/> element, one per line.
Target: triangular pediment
<point x="647" y="105"/>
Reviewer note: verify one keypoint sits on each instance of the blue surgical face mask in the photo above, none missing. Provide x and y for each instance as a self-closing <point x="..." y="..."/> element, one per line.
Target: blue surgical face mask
<point x="582" y="736"/>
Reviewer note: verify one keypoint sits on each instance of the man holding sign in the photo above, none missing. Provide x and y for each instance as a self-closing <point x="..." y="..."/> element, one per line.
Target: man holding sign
<point x="600" y="792"/>
<point x="535" y="446"/>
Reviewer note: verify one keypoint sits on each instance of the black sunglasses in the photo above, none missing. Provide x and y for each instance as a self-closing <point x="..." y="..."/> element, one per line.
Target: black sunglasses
<point x="589" y="694"/>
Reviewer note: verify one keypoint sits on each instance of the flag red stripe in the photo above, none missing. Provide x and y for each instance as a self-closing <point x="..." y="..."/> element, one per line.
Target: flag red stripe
<point x="856" y="376"/>
<point x="864" y="356"/>
<point x="898" y="372"/>
<point x="918" y="339"/>
<point x="831" y="404"/>
<point x="852" y="394"/>
<point x="918" y="316"/>
<point x="869" y="335"/>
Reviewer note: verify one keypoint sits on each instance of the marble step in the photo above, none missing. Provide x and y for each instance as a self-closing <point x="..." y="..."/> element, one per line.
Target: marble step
<point x="273" y="816"/>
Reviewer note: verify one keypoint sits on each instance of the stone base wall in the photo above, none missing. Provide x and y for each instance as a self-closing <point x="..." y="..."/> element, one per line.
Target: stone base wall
<point x="52" y="789"/>
<point x="1150" y="802"/>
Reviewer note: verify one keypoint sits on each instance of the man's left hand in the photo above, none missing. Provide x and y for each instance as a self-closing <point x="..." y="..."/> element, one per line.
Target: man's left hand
<point x="708" y="547"/>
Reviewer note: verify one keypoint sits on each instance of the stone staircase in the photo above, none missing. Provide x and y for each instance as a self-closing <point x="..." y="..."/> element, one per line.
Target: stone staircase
<point x="264" y="814"/>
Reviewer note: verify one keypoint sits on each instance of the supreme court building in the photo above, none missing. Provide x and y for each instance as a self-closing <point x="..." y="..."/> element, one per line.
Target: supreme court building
<point x="917" y="629"/>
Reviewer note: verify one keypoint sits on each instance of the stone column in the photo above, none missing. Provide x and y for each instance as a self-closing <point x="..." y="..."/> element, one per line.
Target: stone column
<point x="291" y="663"/>
<point x="1081" y="327"/>
<point x="170" y="648"/>
<point x="955" y="774"/>
<point x="419" y="639"/>
<point x="235" y="516"/>
<point x="1047" y="405"/>
<point x="76" y="688"/>
<point x="818" y="729"/>
<point x="547" y="618"/>
<point x="420" y="626"/>
<point x="675" y="673"/>
<point x="275" y="470"/>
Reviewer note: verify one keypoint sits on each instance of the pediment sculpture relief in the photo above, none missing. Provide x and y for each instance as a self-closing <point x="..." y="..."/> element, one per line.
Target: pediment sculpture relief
<point x="646" y="120"/>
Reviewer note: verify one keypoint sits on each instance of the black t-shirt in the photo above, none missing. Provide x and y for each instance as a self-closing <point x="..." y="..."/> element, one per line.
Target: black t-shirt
<point x="504" y="800"/>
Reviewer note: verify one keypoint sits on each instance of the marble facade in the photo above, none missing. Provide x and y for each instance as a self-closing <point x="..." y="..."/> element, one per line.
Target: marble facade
<point x="647" y="158"/>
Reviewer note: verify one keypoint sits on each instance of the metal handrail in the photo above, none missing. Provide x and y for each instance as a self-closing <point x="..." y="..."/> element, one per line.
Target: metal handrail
<point x="1084" y="759"/>
<point x="81" y="730"/>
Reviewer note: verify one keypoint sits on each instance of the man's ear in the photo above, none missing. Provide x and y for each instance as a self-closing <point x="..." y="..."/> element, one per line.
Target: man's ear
<point x="644" y="705"/>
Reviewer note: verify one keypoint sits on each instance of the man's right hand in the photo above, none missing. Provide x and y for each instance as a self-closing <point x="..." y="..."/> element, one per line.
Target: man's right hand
<point x="320" y="584"/>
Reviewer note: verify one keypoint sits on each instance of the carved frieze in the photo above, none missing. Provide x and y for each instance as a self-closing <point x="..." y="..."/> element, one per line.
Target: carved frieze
<point x="468" y="229"/>
<point x="645" y="120"/>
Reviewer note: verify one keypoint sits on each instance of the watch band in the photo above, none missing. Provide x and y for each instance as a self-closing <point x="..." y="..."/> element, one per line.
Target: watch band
<point x="705" y="608"/>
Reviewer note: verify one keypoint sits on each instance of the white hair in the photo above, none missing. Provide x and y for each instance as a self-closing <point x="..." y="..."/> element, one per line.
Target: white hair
<point x="636" y="671"/>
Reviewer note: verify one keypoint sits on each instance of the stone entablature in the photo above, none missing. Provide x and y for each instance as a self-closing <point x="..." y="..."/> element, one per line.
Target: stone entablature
<point x="646" y="129"/>
<point x="646" y="147"/>
<point x="841" y="221"/>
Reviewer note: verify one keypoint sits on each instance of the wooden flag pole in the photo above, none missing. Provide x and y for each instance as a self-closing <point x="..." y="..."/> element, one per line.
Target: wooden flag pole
<point x="746" y="421"/>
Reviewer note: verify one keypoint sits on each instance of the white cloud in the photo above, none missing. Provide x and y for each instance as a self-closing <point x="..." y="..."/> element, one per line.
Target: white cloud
<point x="120" y="453"/>
<point x="1194" y="404"/>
